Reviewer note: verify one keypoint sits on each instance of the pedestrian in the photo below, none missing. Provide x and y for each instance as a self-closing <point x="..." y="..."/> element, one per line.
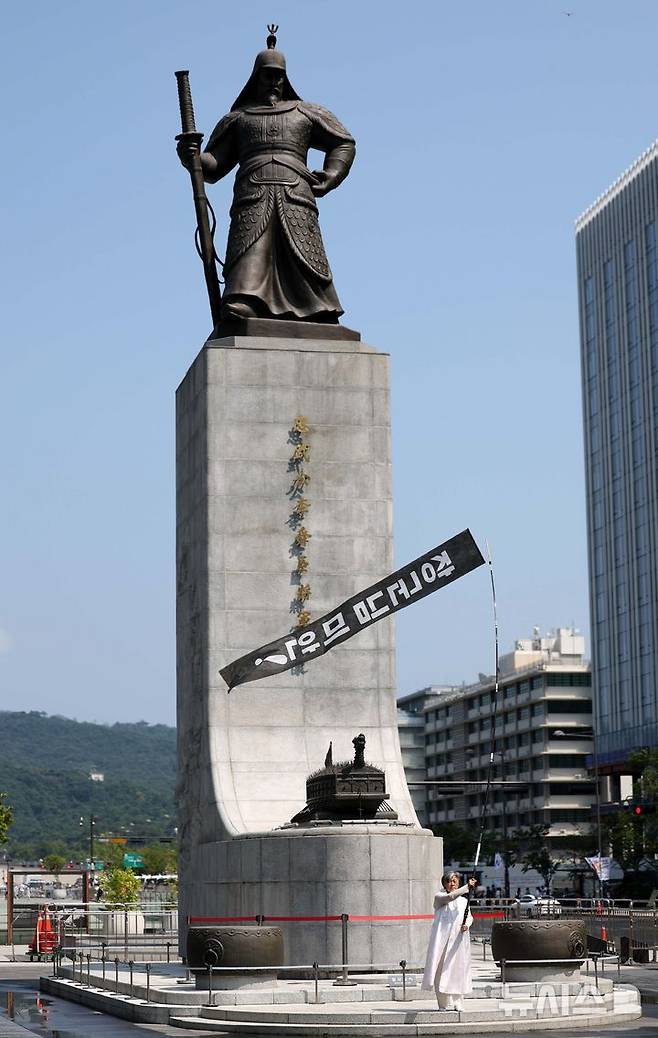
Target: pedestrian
<point x="448" y="961"/>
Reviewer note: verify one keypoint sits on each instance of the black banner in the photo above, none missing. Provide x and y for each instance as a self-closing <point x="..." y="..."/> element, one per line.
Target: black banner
<point x="416" y="580"/>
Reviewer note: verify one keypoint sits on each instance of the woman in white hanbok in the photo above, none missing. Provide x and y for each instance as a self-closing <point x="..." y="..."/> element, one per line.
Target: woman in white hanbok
<point x="448" y="962"/>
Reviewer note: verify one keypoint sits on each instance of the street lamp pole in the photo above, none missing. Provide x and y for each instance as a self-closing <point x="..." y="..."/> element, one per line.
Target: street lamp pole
<point x="505" y="854"/>
<point x="92" y="825"/>
<point x="597" y="794"/>
<point x="501" y="754"/>
<point x="592" y="734"/>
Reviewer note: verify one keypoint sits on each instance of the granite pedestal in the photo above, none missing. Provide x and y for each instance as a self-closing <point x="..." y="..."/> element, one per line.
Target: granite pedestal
<point x="244" y="758"/>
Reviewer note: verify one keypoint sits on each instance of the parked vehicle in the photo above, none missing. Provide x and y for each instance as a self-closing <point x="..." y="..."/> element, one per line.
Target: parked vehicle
<point x="530" y="904"/>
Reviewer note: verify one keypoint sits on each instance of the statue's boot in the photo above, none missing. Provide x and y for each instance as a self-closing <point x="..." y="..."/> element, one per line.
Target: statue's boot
<point x="237" y="308"/>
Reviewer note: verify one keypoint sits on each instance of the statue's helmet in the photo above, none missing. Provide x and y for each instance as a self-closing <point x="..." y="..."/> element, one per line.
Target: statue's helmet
<point x="268" y="58"/>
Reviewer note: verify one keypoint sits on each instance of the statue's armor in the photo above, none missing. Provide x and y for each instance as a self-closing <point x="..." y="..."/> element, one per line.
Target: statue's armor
<point x="273" y="183"/>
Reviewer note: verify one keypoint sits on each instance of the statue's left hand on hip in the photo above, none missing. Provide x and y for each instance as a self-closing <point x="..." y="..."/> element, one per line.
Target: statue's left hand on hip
<point x="322" y="183"/>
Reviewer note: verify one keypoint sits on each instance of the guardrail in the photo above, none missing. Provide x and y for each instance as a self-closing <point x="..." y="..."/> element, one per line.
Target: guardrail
<point x="117" y="921"/>
<point x="81" y="973"/>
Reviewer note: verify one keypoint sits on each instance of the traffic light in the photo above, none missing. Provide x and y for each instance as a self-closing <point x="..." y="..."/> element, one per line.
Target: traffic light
<point x="638" y="807"/>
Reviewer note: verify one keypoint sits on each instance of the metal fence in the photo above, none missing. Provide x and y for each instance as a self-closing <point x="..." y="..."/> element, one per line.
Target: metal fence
<point x="120" y="928"/>
<point x="628" y="927"/>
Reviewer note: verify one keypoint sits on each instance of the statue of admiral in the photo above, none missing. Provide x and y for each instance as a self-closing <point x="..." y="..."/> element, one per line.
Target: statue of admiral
<point x="276" y="266"/>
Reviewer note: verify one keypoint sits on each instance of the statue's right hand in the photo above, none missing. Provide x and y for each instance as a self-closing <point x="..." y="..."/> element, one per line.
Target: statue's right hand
<point x="186" y="150"/>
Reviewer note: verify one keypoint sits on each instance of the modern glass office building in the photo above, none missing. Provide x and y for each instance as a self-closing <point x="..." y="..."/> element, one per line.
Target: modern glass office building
<point x="618" y="300"/>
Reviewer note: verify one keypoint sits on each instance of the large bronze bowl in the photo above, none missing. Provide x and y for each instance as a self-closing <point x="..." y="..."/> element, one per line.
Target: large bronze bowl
<point x="234" y="946"/>
<point x="535" y="940"/>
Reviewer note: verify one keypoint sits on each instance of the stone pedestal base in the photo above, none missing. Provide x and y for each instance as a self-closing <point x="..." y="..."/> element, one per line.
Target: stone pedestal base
<point x="544" y="972"/>
<point x="234" y="982"/>
<point x="359" y="869"/>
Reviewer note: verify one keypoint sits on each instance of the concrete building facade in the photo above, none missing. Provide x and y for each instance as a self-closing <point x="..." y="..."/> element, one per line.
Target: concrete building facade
<point x="411" y="729"/>
<point x="543" y="736"/>
<point x="618" y="302"/>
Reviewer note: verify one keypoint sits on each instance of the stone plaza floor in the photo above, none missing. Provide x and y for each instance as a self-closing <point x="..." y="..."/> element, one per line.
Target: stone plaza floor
<point x="24" y="1011"/>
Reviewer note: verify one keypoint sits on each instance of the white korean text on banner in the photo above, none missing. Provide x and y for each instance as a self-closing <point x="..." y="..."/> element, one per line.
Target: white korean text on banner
<point x="416" y="580"/>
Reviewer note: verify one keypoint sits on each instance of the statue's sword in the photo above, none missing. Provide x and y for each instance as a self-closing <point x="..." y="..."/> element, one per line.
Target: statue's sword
<point x="204" y="238"/>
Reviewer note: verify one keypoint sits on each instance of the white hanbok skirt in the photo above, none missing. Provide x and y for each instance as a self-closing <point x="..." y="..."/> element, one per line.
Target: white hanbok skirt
<point x="448" y="961"/>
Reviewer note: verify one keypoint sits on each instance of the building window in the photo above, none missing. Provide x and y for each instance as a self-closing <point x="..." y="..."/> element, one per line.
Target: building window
<point x="569" y="706"/>
<point x="568" y="816"/>
<point x="566" y="760"/>
<point x="578" y="680"/>
<point x="571" y="789"/>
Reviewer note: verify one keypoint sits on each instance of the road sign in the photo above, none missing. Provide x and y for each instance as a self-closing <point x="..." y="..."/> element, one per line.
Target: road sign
<point x="133" y="861"/>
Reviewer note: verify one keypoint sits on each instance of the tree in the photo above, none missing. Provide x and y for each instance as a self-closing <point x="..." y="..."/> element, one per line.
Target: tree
<point x="111" y="854"/>
<point x="565" y="852"/>
<point x="647" y="762"/>
<point x="536" y="855"/>
<point x="54" y="863"/>
<point x="460" y="842"/>
<point x="620" y="832"/>
<point x="646" y="826"/>
<point x="159" y="859"/>
<point x="6" y="818"/>
<point x="120" y="887"/>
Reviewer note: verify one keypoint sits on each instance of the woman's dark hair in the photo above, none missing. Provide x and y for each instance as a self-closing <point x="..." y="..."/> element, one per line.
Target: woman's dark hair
<point x="448" y="876"/>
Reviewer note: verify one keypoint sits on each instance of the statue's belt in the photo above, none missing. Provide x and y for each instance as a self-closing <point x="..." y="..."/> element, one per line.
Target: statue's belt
<point x="257" y="162"/>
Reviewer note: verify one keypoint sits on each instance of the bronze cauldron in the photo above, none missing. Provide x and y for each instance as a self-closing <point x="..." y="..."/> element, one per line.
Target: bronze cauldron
<point x="234" y="946"/>
<point x="539" y="940"/>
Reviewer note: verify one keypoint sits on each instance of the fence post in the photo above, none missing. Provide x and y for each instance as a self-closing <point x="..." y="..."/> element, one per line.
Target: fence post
<point x="630" y="932"/>
<point x="130" y="967"/>
<point x="403" y="964"/>
<point x="116" y="975"/>
<point x="344" y="981"/>
<point x="596" y="972"/>
<point x="88" y="971"/>
<point x="148" y="981"/>
<point x="125" y="932"/>
<point x="209" y="967"/>
<point x="502" y="977"/>
<point x="103" y="950"/>
<point x="316" y="977"/>
<point x="168" y="950"/>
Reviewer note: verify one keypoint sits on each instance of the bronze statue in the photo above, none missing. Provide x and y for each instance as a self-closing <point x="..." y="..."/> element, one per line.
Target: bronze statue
<point x="275" y="264"/>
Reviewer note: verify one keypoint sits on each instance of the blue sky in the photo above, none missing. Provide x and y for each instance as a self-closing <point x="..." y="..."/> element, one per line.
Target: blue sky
<point x="483" y="130"/>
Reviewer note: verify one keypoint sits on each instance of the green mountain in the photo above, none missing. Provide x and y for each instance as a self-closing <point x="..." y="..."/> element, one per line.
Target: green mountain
<point x="45" y="768"/>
